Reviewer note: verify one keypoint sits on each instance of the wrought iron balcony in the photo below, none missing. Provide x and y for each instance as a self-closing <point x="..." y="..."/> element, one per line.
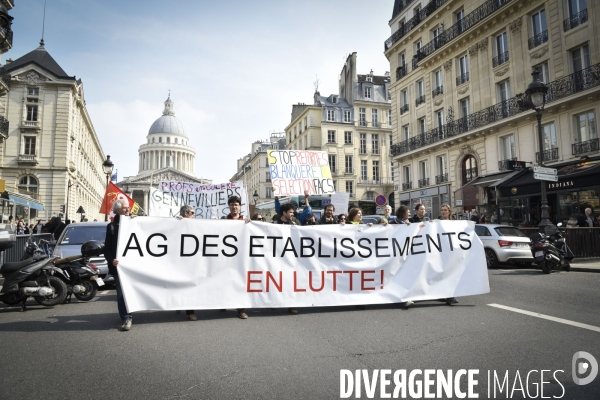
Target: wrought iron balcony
<point x="401" y="71"/>
<point x="463" y="78"/>
<point x="575" y="20"/>
<point x="538" y="40"/>
<point x="437" y="91"/>
<point x="504" y="164"/>
<point x="500" y="59"/>
<point x="468" y="22"/>
<point x="549" y="155"/>
<point x="589" y="146"/>
<point x="404" y="109"/>
<point x="414" y="21"/>
<point x="420" y="100"/>
<point x="441" y="178"/>
<point x="558" y="89"/>
<point x="423" y="182"/>
<point x="407" y="186"/>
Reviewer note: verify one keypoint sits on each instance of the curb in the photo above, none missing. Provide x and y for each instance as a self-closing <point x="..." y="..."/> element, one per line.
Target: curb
<point x="583" y="269"/>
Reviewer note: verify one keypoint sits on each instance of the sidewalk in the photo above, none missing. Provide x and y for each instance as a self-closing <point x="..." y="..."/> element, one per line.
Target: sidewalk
<point x="586" y="264"/>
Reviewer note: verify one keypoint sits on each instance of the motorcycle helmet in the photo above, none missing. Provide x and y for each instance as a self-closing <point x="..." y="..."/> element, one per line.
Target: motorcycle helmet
<point x="537" y="237"/>
<point x="92" y="248"/>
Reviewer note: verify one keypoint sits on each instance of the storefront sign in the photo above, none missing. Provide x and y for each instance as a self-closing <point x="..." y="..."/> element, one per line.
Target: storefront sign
<point x="545" y="177"/>
<point x="557" y="185"/>
<point x="458" y="203"/>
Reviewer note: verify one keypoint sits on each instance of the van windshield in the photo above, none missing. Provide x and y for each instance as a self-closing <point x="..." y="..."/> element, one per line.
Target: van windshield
<point x="81" y="234"/>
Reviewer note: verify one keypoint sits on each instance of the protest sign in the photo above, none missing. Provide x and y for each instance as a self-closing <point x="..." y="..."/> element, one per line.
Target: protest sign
<point x="340" y="202"/>
<point x="208" y="200"/>
<point x="296" y="171"/>
<point x="170" y="264"/>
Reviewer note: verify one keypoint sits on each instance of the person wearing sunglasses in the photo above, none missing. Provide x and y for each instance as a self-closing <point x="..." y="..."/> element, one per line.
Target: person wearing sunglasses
<point x="187" y="212"/>
<point x="257" y="217"/>
<point x="341" y="219"/>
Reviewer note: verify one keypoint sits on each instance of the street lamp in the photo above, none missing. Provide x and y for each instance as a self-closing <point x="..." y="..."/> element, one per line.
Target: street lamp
<point x="255" y="196"/>
<point x="107" y="166"/>
<point x="537" y="91"/>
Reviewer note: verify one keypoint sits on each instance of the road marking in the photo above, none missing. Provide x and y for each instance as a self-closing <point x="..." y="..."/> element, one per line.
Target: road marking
<point x="104" y="292"/>
<point x="94" y="299"/>
<point x="548" y="317"/>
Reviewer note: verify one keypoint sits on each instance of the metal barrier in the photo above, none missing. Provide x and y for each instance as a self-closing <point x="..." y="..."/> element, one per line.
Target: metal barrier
<point x="584" y="242"/>
<point x="16" y="252"/>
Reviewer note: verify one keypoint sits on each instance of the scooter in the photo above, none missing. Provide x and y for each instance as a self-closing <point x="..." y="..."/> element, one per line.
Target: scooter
<point x="546" y="253"/>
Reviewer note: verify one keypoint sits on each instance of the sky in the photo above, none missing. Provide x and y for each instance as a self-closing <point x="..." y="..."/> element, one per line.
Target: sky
<point x="234" y="68"/>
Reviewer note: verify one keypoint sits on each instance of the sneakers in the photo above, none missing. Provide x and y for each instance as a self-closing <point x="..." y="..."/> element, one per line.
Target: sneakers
<point x="293" y="311"/>
<point x="242" y="315"/>
<point x="192" y="317"/>
<point x="126" y="325"/>
<point x="451" y="300"/>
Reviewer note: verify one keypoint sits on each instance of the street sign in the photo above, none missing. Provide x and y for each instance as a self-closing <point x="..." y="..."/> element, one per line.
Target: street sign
<point x="380" y="200"/>
<point x="546" y="177"/>
<point x="544" y="170"/>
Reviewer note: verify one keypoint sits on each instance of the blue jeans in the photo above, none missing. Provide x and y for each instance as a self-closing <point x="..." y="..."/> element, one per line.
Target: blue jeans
<point x="121" y="300"/>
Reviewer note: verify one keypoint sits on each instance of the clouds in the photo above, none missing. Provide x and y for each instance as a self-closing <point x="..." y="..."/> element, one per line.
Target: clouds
<point x="235" y="67"/>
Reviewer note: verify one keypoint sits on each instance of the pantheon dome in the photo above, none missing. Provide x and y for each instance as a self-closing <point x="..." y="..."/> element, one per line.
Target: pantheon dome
<point x="167" y="144"/>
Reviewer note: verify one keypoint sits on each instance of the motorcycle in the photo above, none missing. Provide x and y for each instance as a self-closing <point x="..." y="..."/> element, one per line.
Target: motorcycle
<point x="550" y="251"/>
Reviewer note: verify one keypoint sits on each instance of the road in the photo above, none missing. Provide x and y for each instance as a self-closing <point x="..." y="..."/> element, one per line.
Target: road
<point x="75" y="350"/>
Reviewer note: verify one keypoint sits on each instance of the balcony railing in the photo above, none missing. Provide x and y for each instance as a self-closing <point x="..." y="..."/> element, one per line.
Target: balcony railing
<point x="549" y="155"/>
<point x="575" y="20"/>
<point x="472" y="19"/>
<point x="27" y="158"/>
<point x="407" y="186"/>
<point x="404" y="109"/>
<point x="423" y="182"/>
<point x="538" y="40"/>
<point x="413" y="22"/>
<point x="420" y="100"/>
<point x="31" y="124"/>
<point x="560" y="88"/>
<point x="441" y="178"/>
<point x="500" y="59"/>
<point x="5" y="77"/>
<point x="463" y="78"/>
<point x="504" y="164"/>
<point x="437" y="91"/>
<point x="589" y="146"/>
<point x="401" y="71"/>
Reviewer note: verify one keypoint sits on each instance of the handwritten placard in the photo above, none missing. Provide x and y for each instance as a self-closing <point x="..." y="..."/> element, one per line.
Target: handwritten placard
<point x="340" y="202"/>
<point x="295" y="171"/>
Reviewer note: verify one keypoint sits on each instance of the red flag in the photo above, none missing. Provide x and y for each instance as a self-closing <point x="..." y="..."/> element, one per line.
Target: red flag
<point x="114" y="193"/>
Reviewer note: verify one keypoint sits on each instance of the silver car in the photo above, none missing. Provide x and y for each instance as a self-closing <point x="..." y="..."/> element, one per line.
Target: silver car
<point x="504" y="244"/>
<point x="70" y="241"/>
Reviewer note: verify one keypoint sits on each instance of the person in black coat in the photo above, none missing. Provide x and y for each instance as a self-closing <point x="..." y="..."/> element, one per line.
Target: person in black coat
<point x="419" y="213"/>
<point x="328" y="216"/>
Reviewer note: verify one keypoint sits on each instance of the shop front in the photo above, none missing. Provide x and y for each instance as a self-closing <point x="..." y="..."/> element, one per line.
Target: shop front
<point x="432" y="198"/>
<point x="577" y="188"/>
<point x="19" y="206"/>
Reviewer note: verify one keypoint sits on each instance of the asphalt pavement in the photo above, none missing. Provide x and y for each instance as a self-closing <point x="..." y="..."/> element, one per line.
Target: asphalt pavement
<point x="529" y="322"/>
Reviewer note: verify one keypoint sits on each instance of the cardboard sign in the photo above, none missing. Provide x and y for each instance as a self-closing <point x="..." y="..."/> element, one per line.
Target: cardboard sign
<point x="296" y="171"/>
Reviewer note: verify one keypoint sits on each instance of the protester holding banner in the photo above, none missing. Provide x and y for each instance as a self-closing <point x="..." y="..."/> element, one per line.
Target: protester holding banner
<point x="311" y="220"/>
<point x="187" y="211"/>
<point x="286" y="218"/>
<point x="257" y="217"/>
<point x="328" y="217"/>
<point x="300" y="216"/>
<point x="402" y="216"/>
<point x="387" y="215"/>
<point x="419" y="213"/>
<point x="120" y="208"/>
<point x="342" y="219"/>
<point x="355" y="217"/>
<point x="446" y="212"/>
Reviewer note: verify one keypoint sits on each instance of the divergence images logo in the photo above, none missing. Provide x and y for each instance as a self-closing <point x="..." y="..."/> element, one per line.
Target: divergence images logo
<point x="582" y="363"/>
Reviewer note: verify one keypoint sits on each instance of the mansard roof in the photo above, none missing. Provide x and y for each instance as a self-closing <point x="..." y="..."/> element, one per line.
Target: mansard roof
<point x="41" y="58"/>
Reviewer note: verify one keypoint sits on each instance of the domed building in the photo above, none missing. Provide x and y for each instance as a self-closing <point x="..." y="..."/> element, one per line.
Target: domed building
<point x="166" y="156"/>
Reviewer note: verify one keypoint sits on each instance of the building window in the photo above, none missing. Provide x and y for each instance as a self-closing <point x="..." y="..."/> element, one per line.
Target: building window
<point x="160" y="140"/>
<point x="376" y="171"/>
<point x="469" y="169"/>
<point x="439" y="120"/>
<point x="32" y="113"/>
<point x="28" y="184"/>
<point x="305" y="123"/>
<point x="152" y="140"/>
<point x="363" y="170"/>
<point x="501" y="50"/>
<point x="406" y="181"/>
<point x="367" y="93"/>
<point x="405" y="132"/>
<point x="503" y="90"/>
<point x="544" y="75"/>
<point x="392" y="170"/>
<point x="349" y="188"/>
<point x="347" y="116"/>
<point x="421" y="125"/>
<point x="29" y="145"/>
<point x="459" y="19"/>
<point x="331" y="162"/>
<point x="334" y="99"/>
<point x="268" y="192"/>
<point x="349" y="169"/>
<point x="375" y="143"/>
<point x="439" y="85"/>
<point x="330" y="136"/>
<point x="585" y="128"/>
<point x="420" y="88"/>
<point x="389" y="114"/>
<point x="175" y="140"/>
<point x="363" y="143"/>
<point x="581" y="58"/>
<point x="440" y="162"/>
<point x="362" y="116"/>
<point x="168" y="140"/>
<point x="465" y="107"/>
<point x="391" y="141"/>
<point x="507" y="147"/>
<point x="463" y="70"/>
<point x="267" y="176"/>
<point x="423" y="173"/>
<point x="374" y="117"/>
<point x="33" y="91"/>
<point x="540" y="32"/>
<point x="330" y="115"/>
<point x="348" y="137"/>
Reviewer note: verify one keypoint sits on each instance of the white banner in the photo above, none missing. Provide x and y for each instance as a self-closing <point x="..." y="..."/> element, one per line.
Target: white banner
<point x="170" y="264"/>
<point x="209" y="200"/>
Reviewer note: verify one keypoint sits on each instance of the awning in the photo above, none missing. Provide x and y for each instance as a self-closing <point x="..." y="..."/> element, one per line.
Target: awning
<point x="494" y="179"/>
<point x="26" y="202"/>
<point x="569" y="177"/>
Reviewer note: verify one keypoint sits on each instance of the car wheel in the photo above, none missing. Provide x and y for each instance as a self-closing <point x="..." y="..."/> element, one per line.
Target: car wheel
<point x="491" y="258"/>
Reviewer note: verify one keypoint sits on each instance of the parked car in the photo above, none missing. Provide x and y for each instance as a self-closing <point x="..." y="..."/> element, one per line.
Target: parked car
<point x="504" y="244"/>
<point x="374" y="219"/>
<point x="70" y="241"/>
<point x="8" y="239"/>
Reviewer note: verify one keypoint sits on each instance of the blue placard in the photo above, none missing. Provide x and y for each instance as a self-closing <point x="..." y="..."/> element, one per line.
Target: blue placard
<point x="325" y="202"/>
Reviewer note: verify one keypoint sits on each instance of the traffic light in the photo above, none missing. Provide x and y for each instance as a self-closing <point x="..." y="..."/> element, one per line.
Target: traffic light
<point x="62" y="208"/>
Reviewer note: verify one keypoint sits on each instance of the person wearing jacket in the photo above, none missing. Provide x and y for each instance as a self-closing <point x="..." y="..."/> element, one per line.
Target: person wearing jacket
<point x="121" y="209"/>
<point x="328" y="217"/>
<point x="300" y="216"/>
<point x="287" y="218"/>
<point x="419" y="213"/>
